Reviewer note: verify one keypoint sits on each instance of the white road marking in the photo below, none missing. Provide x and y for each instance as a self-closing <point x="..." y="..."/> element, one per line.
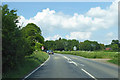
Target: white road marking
<point x="82" y="65"/>
<point x="78" y="63"/>
<point x="73" y="63"/>
<point x="36" y="69"/>
<point x="67" y="58"/>
<point x="70" y="61"/>
<point x="89" y="74"/>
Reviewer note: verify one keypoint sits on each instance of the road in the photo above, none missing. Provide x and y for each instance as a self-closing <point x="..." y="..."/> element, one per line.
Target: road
<point x="70" y="66"/>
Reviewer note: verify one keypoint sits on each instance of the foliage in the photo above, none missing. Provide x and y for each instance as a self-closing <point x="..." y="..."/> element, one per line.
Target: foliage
<point x="30" y="63"/>
<point x="16" y="42"/>
<point x="115" y="45"/>
<point x="49" y="45"/>
<point x="115" y="59"/>
<point x="38" y="46"/>
<point x="89" y="45"/>
<point x="61" y="44"/>
<point x="33" y="34"/>
<point x="14" y="46"/>
<point x="90" y="54"/>
<point x="114" y="56"/>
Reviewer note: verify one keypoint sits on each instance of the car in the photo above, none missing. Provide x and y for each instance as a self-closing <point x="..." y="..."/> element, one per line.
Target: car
<point x="50" y="52"/>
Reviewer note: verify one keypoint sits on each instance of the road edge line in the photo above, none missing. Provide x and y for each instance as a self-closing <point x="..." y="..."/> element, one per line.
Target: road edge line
<point x="36" y="69"/>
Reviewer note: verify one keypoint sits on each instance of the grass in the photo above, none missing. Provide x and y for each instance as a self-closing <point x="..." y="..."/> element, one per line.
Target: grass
<point x="29" y="64"/>
<point x="115" y="59"/>
<point x="95" y="54"/>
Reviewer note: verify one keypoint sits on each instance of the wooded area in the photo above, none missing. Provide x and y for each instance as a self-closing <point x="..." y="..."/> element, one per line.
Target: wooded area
<point x="87" y="45"/>
<point x="17" y="42"/>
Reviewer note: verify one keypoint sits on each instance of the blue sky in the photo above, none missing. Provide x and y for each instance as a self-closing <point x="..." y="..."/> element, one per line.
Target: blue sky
<point x="30" y="9"/>
<point x="71" y="20"/>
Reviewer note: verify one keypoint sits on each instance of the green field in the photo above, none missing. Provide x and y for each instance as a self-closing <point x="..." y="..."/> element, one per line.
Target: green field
<point x="30" y="63"/>
<point x="94" y="54"/>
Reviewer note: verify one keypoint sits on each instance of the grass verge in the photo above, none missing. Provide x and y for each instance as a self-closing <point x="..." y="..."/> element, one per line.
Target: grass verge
<point x="95" y="54"/>
<point x="29" y="64"/>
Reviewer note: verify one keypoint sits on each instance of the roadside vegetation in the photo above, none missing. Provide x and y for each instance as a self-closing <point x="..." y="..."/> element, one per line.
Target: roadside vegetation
<point x="21" y="46"/>
<point x="115" y="59"/>
<point x="94" y="55"/>
<point x="29" y="64"/>
<point x="87" y="45"/>
<point x="87" y="49"/>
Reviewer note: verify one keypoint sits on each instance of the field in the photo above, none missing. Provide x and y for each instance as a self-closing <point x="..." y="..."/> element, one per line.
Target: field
<point x="95" y="54"/>
<point x="29" y="64"/>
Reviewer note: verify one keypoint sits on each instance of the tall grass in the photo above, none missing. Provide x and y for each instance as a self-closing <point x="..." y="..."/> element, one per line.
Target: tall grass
<point x="90" y="54"/>
<point x="29" y="64"/>
<point x="94" y="54"/>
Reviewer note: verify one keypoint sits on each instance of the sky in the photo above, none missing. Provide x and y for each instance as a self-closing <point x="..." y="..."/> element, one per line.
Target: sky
<point x="95" y="21"/>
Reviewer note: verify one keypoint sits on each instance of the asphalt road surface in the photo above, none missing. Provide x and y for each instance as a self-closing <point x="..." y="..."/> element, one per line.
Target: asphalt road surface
<point x="70" y="66"/>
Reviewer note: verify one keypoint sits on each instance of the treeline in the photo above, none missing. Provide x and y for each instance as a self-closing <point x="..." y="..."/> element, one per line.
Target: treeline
<point x="67" y="45"/>
<point x="17" y="42"/>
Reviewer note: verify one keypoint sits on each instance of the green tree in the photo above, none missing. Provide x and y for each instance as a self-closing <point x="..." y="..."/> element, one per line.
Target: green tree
<point x="33" y="34"/>
<point x="115" y="45"/>
<point x="89" y="45"/>
<point x="38" y="46"/>
<point x="72" y="43"/>
<point x="49" y="45"/>
<point x="9" y="32"/>
<point x="14" y="45"/>
<point x="61" y="44"/>
<point x="115" y="42"/>
<point x="102" y="46"/>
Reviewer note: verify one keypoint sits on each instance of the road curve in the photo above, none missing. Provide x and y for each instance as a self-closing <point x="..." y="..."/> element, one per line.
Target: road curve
<point x="70" y="66"/>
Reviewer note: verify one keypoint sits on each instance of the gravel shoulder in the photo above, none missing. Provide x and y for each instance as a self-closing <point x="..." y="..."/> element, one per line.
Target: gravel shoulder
<point x="104" y="61"/>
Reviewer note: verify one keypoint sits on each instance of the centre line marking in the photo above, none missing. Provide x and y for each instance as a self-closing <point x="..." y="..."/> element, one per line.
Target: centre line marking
<point x="88" y="74"/>
<point x="73" y="63"/>
<point x="82" y="65"/>
<point x="70" y="61"/>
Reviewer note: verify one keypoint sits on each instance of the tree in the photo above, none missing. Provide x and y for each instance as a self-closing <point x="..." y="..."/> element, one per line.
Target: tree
<point x="115" y="42"/>
<point x="72" y="43"/>
<point x="33" y="34"/>
<point x="115" y="45"/>
<point x="89" y="45"/>
<point x="61" y="44"/>
<point x="14" y="46"/>
<point x="9" y="31"/>
<point x="102" y="46"/>
<point x="38" y="46"/>
<point x="49" y="45"/>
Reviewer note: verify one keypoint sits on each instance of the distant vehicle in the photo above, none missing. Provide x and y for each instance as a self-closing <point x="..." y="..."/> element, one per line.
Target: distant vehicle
<point x="50" y="52"/>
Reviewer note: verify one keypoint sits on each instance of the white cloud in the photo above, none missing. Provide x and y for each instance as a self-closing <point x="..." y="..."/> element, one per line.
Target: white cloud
<point x="110" y="34"/>
<point x="79" y="35"/>
<point x="96" y="12"/>
<point x="55" y="37"/>
<point x="84" y="24"/>
<point x="94" y="19"/>
<point x="73" y="35"/>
